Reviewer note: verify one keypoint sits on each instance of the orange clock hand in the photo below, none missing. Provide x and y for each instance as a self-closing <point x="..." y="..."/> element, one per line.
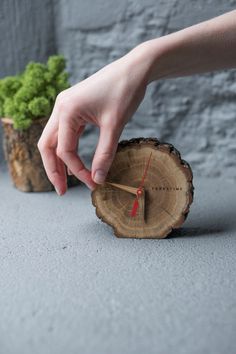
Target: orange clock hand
<point x="139" y="190"/>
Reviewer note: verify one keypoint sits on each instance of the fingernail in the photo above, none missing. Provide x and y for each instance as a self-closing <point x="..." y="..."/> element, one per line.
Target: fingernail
<point x="99" y="176"/>
<point x="89" y="186"/>
<point x="69" y="172"/>
<point x="58" y="191"/>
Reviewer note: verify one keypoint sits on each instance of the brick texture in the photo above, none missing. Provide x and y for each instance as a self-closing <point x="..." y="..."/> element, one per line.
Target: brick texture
<point x="197" y="114"/>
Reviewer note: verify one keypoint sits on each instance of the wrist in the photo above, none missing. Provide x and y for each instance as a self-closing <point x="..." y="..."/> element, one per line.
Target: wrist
<point x="138" y="64"/>
<point x="151" y="57"/>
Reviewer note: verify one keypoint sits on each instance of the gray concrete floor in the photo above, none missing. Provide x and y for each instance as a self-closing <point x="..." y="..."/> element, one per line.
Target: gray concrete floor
<point x="67" y="285"/>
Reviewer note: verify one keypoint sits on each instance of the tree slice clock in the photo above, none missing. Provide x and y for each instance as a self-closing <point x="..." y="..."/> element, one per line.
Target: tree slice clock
<point x="148" y="190"/>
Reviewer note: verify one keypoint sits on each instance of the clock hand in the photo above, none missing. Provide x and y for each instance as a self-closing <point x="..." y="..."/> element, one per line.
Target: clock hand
<point x="140" y="189"/>
<point x="140" y="199"/>
<point x="129" y="189"/>
<point x="134" y="208"/>
<point x="145" y="172"/>
<point x="138" y="193"/>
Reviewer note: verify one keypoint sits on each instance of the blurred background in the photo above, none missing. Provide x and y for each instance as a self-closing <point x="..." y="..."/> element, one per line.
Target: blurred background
<point x="197" y="114"/>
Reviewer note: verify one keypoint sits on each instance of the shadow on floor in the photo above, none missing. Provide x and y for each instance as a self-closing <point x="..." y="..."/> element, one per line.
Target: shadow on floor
<point x="210" y="225"/>
<point x="196" y="231"/>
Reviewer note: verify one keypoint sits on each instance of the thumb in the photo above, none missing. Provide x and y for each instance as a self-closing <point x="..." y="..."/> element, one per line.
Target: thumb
<point x="104" y="154"/>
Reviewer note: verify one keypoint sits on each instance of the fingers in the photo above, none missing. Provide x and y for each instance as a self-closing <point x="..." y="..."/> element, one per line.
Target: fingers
<point x="105" y="152"/>
<point x="54" y="167"/>
<point x="69" y="172"/>
<point x="68" y="135"/>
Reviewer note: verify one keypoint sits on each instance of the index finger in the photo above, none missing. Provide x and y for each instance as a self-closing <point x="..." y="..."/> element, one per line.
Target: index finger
<point x="53" y="165"/>
<point x="69" y="132"/>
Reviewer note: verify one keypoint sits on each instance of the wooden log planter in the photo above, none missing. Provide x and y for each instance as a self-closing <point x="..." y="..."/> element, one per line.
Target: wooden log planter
<point x="23" y="157"/>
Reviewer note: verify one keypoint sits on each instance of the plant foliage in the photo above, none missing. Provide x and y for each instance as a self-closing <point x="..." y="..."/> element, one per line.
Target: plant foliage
<point x="31" y="95"/>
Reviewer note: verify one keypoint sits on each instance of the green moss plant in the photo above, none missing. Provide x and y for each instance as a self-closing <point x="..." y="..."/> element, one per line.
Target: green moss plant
<point x="31" y="95"/>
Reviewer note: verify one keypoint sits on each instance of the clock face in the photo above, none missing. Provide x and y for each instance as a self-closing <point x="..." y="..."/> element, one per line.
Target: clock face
<point x="147" y="192"/>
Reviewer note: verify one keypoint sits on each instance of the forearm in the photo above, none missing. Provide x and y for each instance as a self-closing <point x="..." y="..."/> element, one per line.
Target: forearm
<point x="208" y="46"/>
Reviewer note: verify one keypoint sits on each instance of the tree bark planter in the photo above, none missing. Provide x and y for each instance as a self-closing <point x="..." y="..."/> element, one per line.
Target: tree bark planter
<point x="23" y="157"/>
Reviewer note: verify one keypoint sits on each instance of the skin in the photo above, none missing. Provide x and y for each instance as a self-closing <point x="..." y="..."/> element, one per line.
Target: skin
<point x="109" y="98"/>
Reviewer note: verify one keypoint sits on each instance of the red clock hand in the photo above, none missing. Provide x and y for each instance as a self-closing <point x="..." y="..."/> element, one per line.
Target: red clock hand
<point x="145" y="172"/>
<point x="139" y="190"/>
<point x="136" y="203"/>
<point x="135" y="207"/>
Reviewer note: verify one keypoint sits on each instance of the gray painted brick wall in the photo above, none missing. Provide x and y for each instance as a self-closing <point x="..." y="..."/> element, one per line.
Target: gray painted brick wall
<point x="26" y="33"/>
<point x="197" y="114"/>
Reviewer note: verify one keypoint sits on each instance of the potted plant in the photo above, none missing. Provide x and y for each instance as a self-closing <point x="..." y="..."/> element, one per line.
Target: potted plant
<point x="26" y="102"/>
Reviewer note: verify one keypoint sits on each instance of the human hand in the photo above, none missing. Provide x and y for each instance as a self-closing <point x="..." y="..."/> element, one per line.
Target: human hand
<point x="110" y="97"/>
<point x="106" y="99"/>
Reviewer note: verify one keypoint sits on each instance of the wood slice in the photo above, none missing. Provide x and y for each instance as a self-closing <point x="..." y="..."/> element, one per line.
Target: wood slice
<point x="168" y="190"/>
<point x="23" y="157"/>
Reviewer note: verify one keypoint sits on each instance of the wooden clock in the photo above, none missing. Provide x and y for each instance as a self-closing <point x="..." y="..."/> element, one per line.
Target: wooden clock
<point x="148" y="190"/>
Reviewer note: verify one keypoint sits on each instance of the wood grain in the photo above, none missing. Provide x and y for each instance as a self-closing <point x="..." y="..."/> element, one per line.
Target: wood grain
<point x="168" y="190"/>
<point x="23" y="157"/>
